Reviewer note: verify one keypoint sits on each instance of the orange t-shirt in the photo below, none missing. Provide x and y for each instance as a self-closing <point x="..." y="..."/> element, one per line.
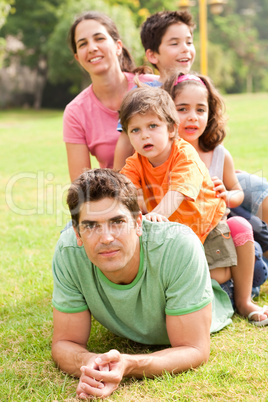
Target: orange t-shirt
<point x="184" y="172"/>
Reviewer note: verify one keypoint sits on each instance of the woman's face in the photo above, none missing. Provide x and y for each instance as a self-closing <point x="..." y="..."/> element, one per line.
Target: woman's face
<point x="96" y="51"/>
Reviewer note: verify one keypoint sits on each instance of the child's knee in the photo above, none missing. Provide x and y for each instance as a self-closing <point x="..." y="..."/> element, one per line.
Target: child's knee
<point x="221" y="275"/>
<point x="241" y="230"/>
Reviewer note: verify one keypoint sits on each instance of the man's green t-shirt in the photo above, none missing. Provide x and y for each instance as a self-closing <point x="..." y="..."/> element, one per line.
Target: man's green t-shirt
<point x="173" y="279"/>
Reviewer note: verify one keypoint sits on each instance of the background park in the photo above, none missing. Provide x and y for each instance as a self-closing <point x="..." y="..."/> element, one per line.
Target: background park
<point x="37" y="79"/>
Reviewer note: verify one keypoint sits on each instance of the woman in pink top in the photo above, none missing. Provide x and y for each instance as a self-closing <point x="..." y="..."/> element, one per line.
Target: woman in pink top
<point x="90" y="119"/>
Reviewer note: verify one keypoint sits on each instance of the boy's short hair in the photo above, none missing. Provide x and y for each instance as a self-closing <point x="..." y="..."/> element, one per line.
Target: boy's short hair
<point x="154" y="28"/>
<point x="146" y="99"/>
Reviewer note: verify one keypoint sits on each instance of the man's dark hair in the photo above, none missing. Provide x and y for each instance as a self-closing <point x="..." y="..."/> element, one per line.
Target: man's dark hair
<point x="155" y="27"/>
<point x="96" y="184"/>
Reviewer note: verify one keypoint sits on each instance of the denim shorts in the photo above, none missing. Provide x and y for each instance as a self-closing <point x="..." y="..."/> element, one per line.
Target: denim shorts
<point x="255" y="189"/>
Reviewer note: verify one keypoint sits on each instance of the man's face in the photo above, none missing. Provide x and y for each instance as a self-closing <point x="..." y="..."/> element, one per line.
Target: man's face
<point x="110" y="236"/>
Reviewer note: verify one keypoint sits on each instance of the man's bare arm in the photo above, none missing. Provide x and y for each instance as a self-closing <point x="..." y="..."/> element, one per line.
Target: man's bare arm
<point x="189" y="335"/>
<point x="69" y="342"/>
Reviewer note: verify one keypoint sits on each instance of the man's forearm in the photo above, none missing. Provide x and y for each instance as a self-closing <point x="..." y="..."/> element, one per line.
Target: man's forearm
<point x="70" y="356"/>
<point x="172" y="360"/>
<point x="101" y="383"/>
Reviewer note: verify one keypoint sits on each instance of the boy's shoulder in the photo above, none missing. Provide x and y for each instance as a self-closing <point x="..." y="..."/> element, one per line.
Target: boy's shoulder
<point x="183" y="151"/>
<point x="181" y="145"/>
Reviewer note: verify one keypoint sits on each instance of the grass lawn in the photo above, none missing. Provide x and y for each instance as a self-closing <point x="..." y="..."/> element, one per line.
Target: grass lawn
<point x="34" y="181"/>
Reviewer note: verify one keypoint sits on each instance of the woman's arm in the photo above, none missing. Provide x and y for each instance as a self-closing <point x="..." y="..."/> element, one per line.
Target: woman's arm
<point x="122" y="151"/>
<point x="78" y="159"/>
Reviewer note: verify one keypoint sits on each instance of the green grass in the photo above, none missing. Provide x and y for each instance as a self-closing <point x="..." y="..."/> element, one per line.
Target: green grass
<point x="247" y="132"/>
<point x="33" y="183"/>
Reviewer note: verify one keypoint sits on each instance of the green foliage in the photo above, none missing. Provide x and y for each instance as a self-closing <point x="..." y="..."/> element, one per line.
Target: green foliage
<point x="239" y="33"/>
<point x="32" y="22"/>
<point x="5" y="9"/>
<point x="157" y="5"/>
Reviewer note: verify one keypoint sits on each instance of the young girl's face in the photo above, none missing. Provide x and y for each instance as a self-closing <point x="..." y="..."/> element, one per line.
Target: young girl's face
<point x="192" y="107"/>
<point x="151" y="137"/>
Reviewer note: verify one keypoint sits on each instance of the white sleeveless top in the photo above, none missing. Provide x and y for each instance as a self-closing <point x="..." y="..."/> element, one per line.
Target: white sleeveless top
<point x="217" y="163"/>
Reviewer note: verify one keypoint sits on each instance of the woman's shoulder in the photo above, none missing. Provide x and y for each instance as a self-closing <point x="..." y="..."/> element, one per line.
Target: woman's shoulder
<point x="149" y="78"/>
<point x="80" y="98"/>
<point x="142" y="77"/>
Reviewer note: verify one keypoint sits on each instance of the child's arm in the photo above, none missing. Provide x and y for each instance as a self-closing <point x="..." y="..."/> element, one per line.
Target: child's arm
<point x="166" y="207"/>
<point x="229" y="189"/>
<point x="141" y="201"/>
<point x="122" y="151"/>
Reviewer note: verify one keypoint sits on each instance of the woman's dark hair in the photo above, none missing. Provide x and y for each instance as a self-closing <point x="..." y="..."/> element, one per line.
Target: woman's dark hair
<point x="215" y="130"/>
<point x="125" y="59"/>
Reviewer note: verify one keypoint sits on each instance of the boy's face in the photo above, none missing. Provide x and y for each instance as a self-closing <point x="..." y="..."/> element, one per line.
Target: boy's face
<point x="151" y="137"/>
<point x="176" y="51"/>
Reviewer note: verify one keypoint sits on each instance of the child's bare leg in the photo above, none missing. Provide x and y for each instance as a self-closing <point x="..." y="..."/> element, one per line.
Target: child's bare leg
<point x="242" y="275"/>
<point x="221" y="275"/>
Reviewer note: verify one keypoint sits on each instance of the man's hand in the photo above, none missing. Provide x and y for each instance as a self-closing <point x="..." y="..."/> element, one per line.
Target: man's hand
<point x="102" y="375"/>
<point x="153" y="217"/>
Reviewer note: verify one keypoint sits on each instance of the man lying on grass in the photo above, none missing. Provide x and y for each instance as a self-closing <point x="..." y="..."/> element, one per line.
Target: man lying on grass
<point x="145" y="281"/>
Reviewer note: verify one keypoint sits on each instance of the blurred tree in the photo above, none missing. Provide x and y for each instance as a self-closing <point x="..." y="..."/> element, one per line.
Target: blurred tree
<point x="32" y="23"/>
<point x="238" y="36"/>
<point x="5" y="9"/>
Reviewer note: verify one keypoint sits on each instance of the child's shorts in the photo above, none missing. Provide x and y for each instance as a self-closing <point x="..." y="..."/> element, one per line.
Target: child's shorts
<point x="219" y="247"/>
